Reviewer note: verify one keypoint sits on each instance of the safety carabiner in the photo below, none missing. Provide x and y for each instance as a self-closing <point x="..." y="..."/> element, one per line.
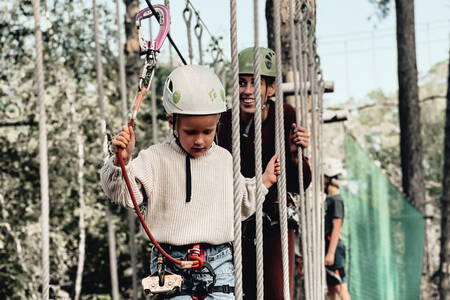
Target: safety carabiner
<point x="164" y="25"/>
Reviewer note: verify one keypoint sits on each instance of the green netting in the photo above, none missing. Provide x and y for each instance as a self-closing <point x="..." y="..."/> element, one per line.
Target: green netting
<point x="383" y="233"/>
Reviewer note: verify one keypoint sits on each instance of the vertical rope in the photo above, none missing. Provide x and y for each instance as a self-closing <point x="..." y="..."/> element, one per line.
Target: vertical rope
<point x="112" y="243"/>
<point x="316" y="199"/>
<point x="258" y="159"/>
<point x="236" y="149"/>
<point x="303" y="107"/>
<point x="280" y="149"/>
<point x="43" y="157"/>
<point x="299" y="120"/>
<point x="305" y="13"/>
<point x="322" y="207"/>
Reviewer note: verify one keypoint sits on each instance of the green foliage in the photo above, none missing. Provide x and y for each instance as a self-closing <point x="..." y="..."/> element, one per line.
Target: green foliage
<point x="383" y="7"/>
<point x="71" y="107"/>
<point x="376" y="127"/>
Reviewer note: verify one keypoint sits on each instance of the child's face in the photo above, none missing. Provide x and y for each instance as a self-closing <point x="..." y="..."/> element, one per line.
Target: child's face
<point x="196" y="133"/>
<point x="247" y="93"/>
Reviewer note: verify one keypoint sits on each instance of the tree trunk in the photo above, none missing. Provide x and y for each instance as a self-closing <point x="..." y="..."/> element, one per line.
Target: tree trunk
<point x="285" y="32"/>
<point x="81" y="223"/>
<point x="409" y="115"/>
<point x="133" y="63"/>
<point x="444" y="269"/>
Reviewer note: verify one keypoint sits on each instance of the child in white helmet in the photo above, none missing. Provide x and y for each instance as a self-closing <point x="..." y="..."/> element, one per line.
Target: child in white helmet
<point x="187" y="181"/>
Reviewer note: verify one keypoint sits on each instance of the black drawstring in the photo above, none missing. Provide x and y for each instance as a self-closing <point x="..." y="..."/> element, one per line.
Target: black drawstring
<point x="188" y="179"/>
<point x="188" y="172"/>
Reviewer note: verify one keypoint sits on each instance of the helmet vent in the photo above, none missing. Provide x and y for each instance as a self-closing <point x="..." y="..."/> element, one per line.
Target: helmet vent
<point x="170" y="86"/>
<point x="268" y="61"/>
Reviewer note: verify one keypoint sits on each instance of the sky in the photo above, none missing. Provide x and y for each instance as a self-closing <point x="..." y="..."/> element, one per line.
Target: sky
<point x="357" y="49"/>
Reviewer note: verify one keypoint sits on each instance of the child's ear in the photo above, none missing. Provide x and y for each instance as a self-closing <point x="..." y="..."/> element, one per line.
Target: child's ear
<point x="170" y="119"/>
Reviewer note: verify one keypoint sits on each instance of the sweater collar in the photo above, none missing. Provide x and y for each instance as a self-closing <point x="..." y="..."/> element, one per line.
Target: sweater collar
<point x="174" y="145"/>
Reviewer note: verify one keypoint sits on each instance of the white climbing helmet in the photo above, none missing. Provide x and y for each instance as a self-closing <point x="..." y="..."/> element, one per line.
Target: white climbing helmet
<point x="193" y="90"/>
<point x="332" y="167"/>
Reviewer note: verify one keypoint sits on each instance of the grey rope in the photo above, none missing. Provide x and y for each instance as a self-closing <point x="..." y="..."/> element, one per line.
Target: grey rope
<point x="236" y="152"/>
<point x="198" y="30"/>
<point x="303" y="231"/>
<point x="258" y="160"/>
<point x="308" y="249"/>
<point x="187" y="16"/>
<point x="112" y="244"/>
<point x="296" y="70"/>
<point x="316" y="197"/>
<point x="322" y="208"/>
<point x="43" y="157"/>
<point x="280" y="149"/>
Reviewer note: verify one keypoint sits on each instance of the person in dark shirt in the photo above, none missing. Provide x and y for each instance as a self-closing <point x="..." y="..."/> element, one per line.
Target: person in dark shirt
<point x="334" y="217"/>
<point x="295" y="136"/>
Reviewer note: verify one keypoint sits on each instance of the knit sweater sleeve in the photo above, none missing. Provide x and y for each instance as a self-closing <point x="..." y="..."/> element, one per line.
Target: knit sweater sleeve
<point x="114" y="185"/>
<point x="247" y="193"/>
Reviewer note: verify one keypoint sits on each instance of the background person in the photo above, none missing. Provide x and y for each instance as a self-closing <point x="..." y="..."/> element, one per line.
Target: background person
<point x="334" y="217"/>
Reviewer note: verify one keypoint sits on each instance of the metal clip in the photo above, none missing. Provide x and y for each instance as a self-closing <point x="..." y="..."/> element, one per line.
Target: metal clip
<point x="160" y="282"/>
<point x="164" y="25"/>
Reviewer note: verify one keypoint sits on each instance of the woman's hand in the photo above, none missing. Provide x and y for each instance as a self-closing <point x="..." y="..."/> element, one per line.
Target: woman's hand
<point x="298" y="137"/>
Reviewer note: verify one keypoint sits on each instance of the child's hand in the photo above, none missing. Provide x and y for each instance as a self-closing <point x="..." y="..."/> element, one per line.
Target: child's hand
<point x="272" y="171"/>
<point x="298" y="137"/>
<point x="124" y="140"/>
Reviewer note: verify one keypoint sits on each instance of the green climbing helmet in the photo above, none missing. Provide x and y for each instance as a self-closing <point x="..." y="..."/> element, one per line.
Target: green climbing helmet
<point x="267" y="59"/>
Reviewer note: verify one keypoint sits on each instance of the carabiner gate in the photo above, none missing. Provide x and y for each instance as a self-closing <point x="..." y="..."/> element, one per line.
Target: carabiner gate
<point x="164" y="25"/>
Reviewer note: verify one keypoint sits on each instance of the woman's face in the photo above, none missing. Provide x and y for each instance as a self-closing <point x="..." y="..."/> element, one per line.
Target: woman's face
<point x="247" y="93"/>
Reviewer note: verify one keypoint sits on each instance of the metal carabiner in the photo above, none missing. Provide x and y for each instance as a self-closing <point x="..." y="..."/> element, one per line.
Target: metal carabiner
<point x="164" y="25"/>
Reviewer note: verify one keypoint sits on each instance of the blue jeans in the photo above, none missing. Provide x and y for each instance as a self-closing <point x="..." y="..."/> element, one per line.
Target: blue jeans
<point x="220" y="257"/>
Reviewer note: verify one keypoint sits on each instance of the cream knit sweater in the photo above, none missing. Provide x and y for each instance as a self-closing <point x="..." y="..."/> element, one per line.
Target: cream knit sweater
<point x="158" y="176"/>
